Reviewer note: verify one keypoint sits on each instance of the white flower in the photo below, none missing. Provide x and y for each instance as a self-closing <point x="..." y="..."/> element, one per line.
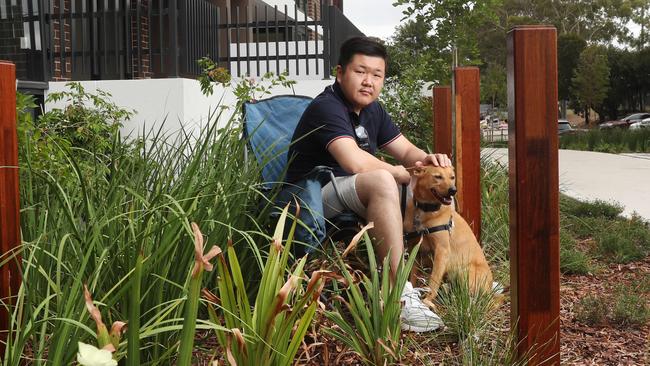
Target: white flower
<point x="89" y="355"/>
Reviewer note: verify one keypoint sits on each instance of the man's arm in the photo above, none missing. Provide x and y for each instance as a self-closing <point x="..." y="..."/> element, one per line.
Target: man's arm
<point x="355" y="160"/>
<point x="410" y="155"/>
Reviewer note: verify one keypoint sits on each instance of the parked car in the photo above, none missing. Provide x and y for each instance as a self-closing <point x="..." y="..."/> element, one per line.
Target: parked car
<point x="641" y="124"/>
<point x="624" y="122"/>
<point x="563" y="127"/>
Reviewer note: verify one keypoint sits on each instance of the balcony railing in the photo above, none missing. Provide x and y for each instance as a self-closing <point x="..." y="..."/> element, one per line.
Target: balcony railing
<point x="128" y="39"/>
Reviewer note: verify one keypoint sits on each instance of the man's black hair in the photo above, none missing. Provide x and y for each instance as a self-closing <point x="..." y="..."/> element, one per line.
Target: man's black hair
<point x="367" y="46"/>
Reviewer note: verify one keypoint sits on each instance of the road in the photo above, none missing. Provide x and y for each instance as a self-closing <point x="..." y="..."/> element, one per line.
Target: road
<point x="588" y="175"/>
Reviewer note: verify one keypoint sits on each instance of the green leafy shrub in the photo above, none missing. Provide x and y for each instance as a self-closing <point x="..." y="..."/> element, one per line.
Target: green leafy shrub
<point x="271" y="331"/>
<point x="118" y="227"/>
<point x="592" y="310"/>
<point x="373" y="327"/>
<point x="402" y="98"/>
<point x="245" y="89"/>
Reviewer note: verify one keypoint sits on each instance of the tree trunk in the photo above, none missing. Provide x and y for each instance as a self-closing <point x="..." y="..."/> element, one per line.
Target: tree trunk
<point x="587" y="115"/>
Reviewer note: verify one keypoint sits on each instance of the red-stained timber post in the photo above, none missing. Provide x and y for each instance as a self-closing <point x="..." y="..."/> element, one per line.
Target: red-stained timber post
<point x="9" y="206"/>
<point x="442" y="132"/>
<point x="468" y="145"/>
<point x="534" y="192"/>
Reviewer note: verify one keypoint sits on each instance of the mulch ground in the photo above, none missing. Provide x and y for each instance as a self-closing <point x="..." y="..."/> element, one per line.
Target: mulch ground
<point x="606" y="344"/>
<point x="581" y="344"/>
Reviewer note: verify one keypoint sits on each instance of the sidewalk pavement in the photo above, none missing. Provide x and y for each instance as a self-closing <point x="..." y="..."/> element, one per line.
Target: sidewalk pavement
<point x="588" y="175"/>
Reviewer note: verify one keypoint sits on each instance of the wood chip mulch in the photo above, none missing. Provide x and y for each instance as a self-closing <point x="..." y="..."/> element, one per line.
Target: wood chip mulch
<point x="581" y="344"/>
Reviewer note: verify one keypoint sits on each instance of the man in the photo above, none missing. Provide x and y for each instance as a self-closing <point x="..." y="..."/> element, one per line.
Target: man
<point x="342" y="128"/>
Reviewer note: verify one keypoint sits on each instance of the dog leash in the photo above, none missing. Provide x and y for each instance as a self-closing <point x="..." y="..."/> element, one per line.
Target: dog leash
<point x="430" y="230"/>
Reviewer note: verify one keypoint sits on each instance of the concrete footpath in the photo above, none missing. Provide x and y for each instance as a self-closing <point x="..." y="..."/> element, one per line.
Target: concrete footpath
<point x="588" y="175"/>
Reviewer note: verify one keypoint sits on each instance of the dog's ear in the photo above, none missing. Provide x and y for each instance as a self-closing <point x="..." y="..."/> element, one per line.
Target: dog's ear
<point x="418" y="170"/>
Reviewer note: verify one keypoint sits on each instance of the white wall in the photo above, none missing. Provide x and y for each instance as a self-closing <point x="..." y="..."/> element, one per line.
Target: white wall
<point x="178" y="102"/>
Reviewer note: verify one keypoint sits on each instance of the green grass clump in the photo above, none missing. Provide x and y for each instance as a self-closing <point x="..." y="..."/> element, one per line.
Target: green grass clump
<point x="596" y="208"/>
<point x="624" y="241"/>
<point x="592" y="310"/>
<point x="572" y="260"/>
<point x="630" y="307"/>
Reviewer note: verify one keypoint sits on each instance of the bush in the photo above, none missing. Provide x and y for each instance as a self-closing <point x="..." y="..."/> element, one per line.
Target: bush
<point x="596" y="208"/>
<point x="591" y="310"/>
<point x="402" y="98"/>
<point x="608" y="141"/>
<point x="572" y="260"/>
<point x="624" y="241"/>
<point x="630" y="308"/>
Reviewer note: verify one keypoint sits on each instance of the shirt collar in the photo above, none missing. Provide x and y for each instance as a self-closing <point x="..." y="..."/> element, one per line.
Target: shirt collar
<point x="338" y="92"/>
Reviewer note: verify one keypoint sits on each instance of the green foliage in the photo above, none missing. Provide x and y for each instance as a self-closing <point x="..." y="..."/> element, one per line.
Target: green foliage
<point x="569" y="48"/>
<point x="630" y="307"/>
<point x="591" y="310"/>
<point x="88" y="225"/>
<point x="367" y="313"/>
<point x="466" y="314"/>
<point x="88" y="126"/>
<point x="609" y="141"/>
<point x="456" y="22"/>
<point x="246" y="89"/>
<point x="413" y="54"/>
<point x="624" y="241"/>
<point x="627" y="306"/>
<point x="572" y="260"/>
<point x="590" y="80"/>
<point x="493" y="85"/>
<point x="402" y="98"/>
<point x="596" y="208"/>
<point x="495" y="234"/>
<point x="271" y="331"/>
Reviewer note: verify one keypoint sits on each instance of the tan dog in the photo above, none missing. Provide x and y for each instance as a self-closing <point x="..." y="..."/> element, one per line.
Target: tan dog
<point x="446" y="236"/>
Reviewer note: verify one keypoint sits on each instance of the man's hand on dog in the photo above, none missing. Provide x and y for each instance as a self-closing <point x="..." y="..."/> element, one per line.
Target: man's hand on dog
<point x="435" y="160"/>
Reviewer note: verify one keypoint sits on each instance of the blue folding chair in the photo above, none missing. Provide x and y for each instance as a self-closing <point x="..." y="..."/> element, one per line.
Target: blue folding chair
<point x="269" y="126"/>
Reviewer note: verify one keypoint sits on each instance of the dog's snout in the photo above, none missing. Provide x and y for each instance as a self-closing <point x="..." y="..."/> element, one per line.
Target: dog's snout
<point x="452" y="191"/>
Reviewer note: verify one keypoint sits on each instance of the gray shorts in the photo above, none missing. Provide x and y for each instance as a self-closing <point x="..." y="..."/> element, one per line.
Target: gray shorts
<point x="333" y="206"/>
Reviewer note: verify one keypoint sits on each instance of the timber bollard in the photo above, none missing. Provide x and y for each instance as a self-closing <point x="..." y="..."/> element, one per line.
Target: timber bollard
<point x="534" y="192"/>
<point x="442" y="132"/>
<point x="468" y="145"/>
<point x="9" y="202"/>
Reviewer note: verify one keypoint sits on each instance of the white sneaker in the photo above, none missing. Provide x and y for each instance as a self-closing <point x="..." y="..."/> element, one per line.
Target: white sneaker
<point x="417" y="317"/>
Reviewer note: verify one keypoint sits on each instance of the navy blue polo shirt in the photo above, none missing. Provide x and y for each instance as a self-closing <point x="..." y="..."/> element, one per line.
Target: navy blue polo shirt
<point x="330" y="117"/>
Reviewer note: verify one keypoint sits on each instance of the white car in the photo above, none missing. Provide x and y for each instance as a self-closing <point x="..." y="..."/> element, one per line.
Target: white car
<point x="641" y="124"/>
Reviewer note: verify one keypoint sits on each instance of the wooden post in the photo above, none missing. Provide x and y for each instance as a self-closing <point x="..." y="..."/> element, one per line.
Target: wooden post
<point x="442" y="134"/>
<point x="468" y="146"/>
<point x="534" y="191"/>
<point x="9" y="206"/>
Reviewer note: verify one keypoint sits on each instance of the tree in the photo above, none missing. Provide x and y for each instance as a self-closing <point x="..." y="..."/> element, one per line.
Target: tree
<point x="569" y="48"/>
<point x="591" y="78"/>
<point x="454" y="22"/>
<point x="493" y="85"/>
<point x="413" y="53"/>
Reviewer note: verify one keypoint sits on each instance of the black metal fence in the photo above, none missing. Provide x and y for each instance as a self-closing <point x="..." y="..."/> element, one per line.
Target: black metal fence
<point x="125" y="39"/>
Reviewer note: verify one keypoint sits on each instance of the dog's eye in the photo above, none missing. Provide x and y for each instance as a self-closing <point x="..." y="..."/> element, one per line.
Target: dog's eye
<point x="453" y="177"/>
<point x="438" y="176"/>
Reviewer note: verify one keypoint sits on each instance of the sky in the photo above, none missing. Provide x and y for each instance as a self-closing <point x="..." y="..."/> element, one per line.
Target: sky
<point x="377" y="18"/>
